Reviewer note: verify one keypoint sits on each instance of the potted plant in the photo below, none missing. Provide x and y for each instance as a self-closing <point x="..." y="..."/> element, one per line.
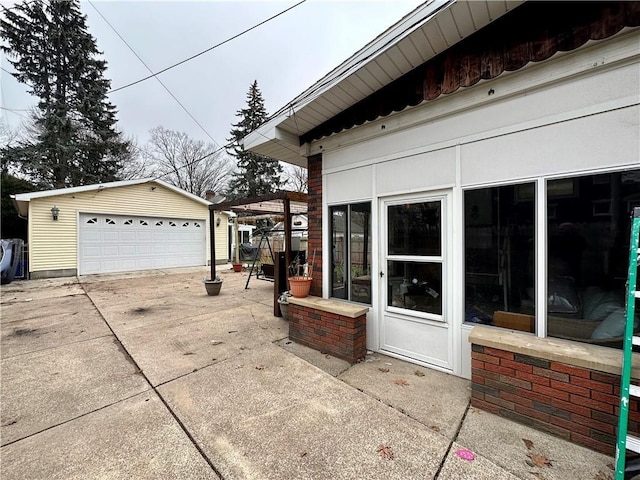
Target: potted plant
<point x="300" y="279"/>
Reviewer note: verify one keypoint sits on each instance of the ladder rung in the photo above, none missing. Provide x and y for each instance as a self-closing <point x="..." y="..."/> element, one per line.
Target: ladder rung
<point x="633" y="443"/>
<point x="634" y="390"/>
<point x="635" y="340"/>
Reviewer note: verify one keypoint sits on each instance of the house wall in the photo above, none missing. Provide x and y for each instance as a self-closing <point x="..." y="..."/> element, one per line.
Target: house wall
<point x="53" y="245"/>
<point x="575" y="113"/>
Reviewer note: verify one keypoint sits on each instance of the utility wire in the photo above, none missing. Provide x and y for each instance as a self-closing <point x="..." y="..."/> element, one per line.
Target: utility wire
<point x="316" y="90"/>
<point x="208" y="49"/>
<point x="15" y="112"/>
<point x="151" y="71"/>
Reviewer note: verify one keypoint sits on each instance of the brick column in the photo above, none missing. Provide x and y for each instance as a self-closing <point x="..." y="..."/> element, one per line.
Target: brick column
<point x="314" y="166"/>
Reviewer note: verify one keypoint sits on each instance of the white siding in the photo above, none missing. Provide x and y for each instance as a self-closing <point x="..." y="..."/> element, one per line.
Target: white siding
<point x="349" y="185"/>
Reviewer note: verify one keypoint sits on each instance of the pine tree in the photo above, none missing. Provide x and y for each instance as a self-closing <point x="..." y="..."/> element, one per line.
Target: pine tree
<point x="74" y="140"/>
<point x="257" y="174"/>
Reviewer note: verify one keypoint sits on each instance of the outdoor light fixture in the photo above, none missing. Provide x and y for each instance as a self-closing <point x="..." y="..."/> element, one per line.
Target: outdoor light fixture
<point x="218" y="220"/>
<point x="54" y="212"/>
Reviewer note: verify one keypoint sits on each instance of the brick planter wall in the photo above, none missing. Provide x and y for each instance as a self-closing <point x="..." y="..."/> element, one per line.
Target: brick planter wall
<point x="575" y="403"/>
<point x="339" y="335"/>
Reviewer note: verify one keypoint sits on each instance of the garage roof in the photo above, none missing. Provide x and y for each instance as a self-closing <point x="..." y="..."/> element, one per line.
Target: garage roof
<point x="21" y="200"/>
<point x="420" y="36"/>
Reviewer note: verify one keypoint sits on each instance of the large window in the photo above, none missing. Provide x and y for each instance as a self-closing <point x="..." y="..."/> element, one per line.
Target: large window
<point x="500" y="255"/>
<point x="351" y="252"/>
<point x="588" y="229"/>
<point x="586" y="249"/>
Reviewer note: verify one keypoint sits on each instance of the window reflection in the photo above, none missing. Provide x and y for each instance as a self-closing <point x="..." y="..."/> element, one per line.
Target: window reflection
<point x="414" y="229"/>
<point x="415" y="286"/>
<point x="351" y="252"/>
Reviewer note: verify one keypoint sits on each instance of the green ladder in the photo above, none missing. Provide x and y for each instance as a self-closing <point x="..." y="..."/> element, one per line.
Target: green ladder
<point x="625" y="441"/>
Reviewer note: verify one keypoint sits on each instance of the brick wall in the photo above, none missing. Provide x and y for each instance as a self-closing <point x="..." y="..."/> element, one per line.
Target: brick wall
<point x="341" y="336"/>
<point x="577" y="404"/>
<point x="314" y="215"/>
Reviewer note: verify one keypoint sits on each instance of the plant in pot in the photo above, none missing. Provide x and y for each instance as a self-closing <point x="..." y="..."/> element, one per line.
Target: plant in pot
<point x="300" y="278"/>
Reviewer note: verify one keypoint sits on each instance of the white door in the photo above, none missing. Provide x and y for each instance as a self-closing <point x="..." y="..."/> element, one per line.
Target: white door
<point x="120" y="243"/>
<point x="414" y="274"/>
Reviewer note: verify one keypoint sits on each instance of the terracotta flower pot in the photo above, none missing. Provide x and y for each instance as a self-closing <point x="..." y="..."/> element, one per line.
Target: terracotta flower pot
<point x="300" y="286"/>
<point x="237" y="267"/>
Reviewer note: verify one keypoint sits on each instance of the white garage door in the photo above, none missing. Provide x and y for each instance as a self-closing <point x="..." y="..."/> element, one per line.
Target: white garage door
<point x="118" y="243"/>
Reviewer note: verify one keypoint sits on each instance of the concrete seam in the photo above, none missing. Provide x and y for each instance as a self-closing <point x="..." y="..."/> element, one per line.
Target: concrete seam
<point x="455" y="438"/>
<point x="57" y="346"/>
<point x="75" y="418"/>
<point x="162" y="399"/>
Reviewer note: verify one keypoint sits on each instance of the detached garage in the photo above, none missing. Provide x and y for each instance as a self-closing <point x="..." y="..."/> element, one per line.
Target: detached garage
<point x="118" y="227"/>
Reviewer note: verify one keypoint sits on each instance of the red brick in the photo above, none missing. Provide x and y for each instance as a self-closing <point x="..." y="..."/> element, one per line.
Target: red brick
<point x="571" y="370"/>
<point x="477" y="379"/>
<point x="592" y="385"/>
<point x="498" y="401"/>
<point x="606" y="398"/>
<point x="594" y="404"/>
<point x="567" y="387"/>
<point x="483" y="357"/>
<point x="498" y="385"/>
<point x="512" y="397"/>
<point x="517" y="366"/>
<point x="530" y="412"/>
<point x="552" y="392"/>
<point x="515" y="382"/>
<point x="595" y="424"/>
<point x="475" y="363"/>
<point x="593" y="444"/>
<point x="498" y="369"/>
<point x="481" y="404"/>
<point x="538" y="397"/>
<point x="545" y="372"/>
<point x="571" y="407"/>
<point x="477" y="394"/>
<point x="571" y="426"/>
<point x="605" y="378"/>
<point x="498" y="353"/>
<point x="553" y="429"/>
<point x="533" y="378"/>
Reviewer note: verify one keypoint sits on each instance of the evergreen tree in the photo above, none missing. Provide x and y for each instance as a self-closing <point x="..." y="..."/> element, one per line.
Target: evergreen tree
<point x="256" y="174"/>
<point x="74" y="140"/>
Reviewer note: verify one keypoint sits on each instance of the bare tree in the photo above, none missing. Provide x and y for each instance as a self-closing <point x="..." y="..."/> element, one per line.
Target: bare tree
<point x="297" y="178"/>
<point x="137" y="164"/>
<point x="193" y="165"/>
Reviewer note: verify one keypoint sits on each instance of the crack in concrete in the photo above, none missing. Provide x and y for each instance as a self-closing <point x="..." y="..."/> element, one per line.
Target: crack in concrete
<point x="155" y="390"/>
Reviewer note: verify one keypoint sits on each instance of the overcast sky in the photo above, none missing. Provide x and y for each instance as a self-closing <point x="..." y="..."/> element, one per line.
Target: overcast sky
<point x="285" y="56"/>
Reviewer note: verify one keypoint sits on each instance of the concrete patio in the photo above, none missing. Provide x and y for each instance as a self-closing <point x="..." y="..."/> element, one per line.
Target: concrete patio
<point x="145" y="376"/>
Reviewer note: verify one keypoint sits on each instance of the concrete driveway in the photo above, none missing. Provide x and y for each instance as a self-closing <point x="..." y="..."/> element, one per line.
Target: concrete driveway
<point x="145" y="376"/>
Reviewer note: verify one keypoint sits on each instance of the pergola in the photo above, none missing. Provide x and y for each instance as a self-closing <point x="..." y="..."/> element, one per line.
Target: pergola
<point x="283" y="202"/>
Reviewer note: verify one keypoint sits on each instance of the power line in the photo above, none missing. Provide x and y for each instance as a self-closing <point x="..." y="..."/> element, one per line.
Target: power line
<point x="208" y="49"/>
<point x="315" y="90"/>
<point x="15" y="112"/>
<point x="151" y="71"/>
